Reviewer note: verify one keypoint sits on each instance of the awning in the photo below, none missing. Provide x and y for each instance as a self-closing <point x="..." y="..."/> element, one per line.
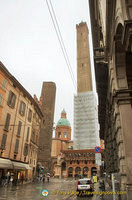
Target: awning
<point x="5" y="163"/>
<point x="8" y="164"/>
<point x="18" y="165"/>
<point x="28" y="167"/>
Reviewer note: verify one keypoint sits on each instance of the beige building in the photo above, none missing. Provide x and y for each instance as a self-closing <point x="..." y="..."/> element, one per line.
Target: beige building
<point x="113" y="71"/>
<point x="19" y="129"/>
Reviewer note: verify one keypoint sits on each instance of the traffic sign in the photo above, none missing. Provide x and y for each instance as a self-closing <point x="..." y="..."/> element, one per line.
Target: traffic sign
<point x="97" y="149"/>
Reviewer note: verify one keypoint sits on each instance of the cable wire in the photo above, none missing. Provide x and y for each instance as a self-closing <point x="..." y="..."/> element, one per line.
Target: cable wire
<point x="60" y="39"/>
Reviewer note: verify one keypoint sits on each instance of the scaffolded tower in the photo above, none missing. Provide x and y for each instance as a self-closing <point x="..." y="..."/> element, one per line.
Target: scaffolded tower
<point x="86" y="127"/>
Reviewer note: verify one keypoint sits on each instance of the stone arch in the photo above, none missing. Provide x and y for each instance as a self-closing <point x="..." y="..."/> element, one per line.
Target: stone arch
<point x="85" y="171"/>
<point x="118" y="15"/>
<point x="93" y="171"/>
<point x="118" y="21"/>
<point x="78" y="171"/>
<point x="120" y="59"/>
<point x="63" y="166"/>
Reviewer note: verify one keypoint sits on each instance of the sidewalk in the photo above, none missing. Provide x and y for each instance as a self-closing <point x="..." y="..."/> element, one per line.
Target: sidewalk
<point x="107" y="193"/>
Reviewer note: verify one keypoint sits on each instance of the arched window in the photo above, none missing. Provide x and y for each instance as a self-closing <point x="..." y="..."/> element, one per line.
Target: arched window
<point x="70" y="171"/>
<point x="85" y="171"/>
<point x="78" y="170"/>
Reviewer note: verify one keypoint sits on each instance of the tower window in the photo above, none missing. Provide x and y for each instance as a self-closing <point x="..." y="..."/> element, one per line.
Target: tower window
<point x="59" y="135"/>
<point x="64" y="134"/>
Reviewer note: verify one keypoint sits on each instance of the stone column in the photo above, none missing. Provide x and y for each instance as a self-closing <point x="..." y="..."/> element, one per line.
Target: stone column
<point x="126" y="123"/>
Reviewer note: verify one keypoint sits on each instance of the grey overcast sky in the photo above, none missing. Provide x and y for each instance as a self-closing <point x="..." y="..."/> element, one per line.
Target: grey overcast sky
<point x="30" y="50"/>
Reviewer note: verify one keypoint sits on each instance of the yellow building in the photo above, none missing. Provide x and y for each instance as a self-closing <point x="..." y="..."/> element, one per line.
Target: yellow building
<point x="3" y="86"/>
<point x="19" y="128"/>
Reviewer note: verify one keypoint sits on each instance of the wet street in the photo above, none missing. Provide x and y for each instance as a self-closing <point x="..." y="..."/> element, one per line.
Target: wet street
<point x="57" y="190"/>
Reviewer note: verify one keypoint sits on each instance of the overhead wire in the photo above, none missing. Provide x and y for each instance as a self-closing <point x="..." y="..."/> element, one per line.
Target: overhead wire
<point x="60" y="39"/>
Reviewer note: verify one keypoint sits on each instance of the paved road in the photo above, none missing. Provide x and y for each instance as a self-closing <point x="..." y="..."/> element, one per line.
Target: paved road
<point x="58" y="190"/>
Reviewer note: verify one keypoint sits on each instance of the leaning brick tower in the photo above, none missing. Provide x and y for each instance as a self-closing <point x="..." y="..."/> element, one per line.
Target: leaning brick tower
<point x="48" y="94"/>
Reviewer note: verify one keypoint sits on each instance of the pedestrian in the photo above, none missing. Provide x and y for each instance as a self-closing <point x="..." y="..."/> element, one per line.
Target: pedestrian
<point x="43" y="178"/>
<point x="9" y="177"/>
<point x="48" y="177"/>
<point x="22" y="178"/>
<point x="102" y="187"/>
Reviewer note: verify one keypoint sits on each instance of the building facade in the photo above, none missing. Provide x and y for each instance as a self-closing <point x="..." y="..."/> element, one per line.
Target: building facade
<point x="45" y="140"/>
<point x="61" y="142"/>
<point x="67" y="162"/>
<point x="113" y="62"/>
<point x="18" y="109"/>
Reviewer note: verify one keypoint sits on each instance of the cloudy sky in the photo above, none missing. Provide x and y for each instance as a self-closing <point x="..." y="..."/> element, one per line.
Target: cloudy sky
<point x="30" y="50"/>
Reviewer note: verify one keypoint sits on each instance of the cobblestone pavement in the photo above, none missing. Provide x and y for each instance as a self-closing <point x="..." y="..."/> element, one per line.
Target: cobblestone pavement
<point x="59" y="189"/>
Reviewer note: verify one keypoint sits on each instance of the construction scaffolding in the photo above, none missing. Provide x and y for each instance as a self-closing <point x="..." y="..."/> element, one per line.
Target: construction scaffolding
<point x="86" y="127"/>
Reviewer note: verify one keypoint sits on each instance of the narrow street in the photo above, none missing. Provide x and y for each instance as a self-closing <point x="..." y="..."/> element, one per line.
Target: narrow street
<point x="57" y="189"/>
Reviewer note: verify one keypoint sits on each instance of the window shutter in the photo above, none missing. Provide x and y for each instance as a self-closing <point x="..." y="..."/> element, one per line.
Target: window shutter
<point x="13" y="100"/>
<point x="19" y="128"/>
<point x="3" y="143"/>
<point x="9" y="98"/>
<point x="22" y="108"/>
<point x="28" y="129"/>
<point x="26" y="149"/>
<point x="16" y="146"/>
<point x="7" y="122"/>
<point x="30" y="115"/>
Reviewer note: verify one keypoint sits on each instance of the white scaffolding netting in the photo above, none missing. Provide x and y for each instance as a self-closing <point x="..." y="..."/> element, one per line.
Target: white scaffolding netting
<point x="86" y="127"/>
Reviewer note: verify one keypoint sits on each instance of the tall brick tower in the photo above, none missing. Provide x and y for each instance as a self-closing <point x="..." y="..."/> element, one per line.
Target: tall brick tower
<point x="86" y="128"/>
<point x="84" y="80"/>
<point x="45" y="140"/>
